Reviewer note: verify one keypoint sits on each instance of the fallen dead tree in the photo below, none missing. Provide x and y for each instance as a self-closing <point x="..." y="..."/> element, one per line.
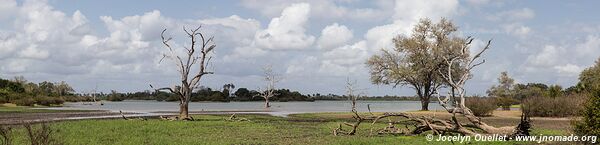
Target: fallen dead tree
<point x="235" y="118"/>
<point x="126" y="118"/>
<point x="453" y="103"/>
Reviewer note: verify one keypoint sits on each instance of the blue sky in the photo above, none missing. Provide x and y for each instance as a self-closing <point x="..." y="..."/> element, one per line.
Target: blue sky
<point x="313" y="45"/>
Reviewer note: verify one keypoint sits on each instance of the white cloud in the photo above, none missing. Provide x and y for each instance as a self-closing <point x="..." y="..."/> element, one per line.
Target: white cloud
<point x="33" y="52"/>
<point x="407" y="14"/>
<point x="547" y="57"/>
<point x="345" y="60"/>
<point x="590" y="48"/>
<point x="478" y="2"/>
<point x="7" y="9"/>
<point x="517" y="30"/>
<point x="287" y="31"/>
<point x="304" y="66"/>
<point x="334" y="35"/>
<point x="569" y="70"/>
<point x="322" y="9"/>
<point x="513" y="15"/>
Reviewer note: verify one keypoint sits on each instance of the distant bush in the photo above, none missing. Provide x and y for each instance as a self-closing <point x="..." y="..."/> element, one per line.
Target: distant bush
<point x="481" y="106"/>
<point x="47" y="101"/>
<point x="24" y="102"/>
<point x="562" y="106"/>
<point x="506" y="102"/>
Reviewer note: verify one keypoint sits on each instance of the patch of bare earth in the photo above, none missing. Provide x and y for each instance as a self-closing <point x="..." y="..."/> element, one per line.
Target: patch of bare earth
<point x="19" y="118"/>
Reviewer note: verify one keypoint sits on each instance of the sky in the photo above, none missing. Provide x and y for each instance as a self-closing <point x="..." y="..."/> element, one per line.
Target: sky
<point x="314" y="45"/>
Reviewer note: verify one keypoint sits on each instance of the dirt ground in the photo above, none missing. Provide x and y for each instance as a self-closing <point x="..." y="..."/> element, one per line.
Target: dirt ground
<point x="19" y="118"/>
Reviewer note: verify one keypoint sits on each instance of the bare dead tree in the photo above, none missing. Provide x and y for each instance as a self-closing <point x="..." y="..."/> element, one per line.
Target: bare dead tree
<point x="458" y="84"/>
<point x="351" y="92"/>
<point x="454" y="106"/>
<point x="5" y="133"/>
<point x="41" y="135"/>
<point x="271" y="79"/>
<point x="197" y="58"/>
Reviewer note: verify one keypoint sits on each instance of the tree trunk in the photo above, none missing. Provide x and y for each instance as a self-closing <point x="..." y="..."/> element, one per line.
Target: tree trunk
<point x="183" y="110"/>
<point x="267" y="105"/>
<point x="424" y="104"/>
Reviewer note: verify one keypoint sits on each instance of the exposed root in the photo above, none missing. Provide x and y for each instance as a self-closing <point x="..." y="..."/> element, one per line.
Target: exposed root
<point x="139" y="118"/>
<point x="176" y="118"/>
<point x="235" y="118"/>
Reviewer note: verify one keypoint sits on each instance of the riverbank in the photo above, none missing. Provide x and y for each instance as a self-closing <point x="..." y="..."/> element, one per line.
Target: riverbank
<point x="308" y="128"/>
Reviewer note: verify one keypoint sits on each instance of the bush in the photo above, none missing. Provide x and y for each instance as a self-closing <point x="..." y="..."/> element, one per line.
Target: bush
<point x="562" y="106"/>
<point x="506" y="102"/>
<point x="590" y="121"/>
<point x="481" y="106"/>
<point x="24" y="102"/>
<point x="47" y="101"/>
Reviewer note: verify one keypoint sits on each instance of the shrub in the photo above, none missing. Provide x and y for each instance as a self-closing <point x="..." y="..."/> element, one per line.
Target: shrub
<point x="42" y="135"/>
<point x="506" y="102"/>
<point x="24" y="102"/>
<point x="47" y="101"/>
<point x="590" y="121"/>
<point x="562" y="106"/>
<point x="481" y="106"/>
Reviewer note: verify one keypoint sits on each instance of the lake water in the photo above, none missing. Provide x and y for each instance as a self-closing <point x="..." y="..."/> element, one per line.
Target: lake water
<point x="278" y="108"/>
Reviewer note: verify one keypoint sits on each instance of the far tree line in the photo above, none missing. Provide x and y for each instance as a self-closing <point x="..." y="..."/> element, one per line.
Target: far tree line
<point x="25" y="93"/>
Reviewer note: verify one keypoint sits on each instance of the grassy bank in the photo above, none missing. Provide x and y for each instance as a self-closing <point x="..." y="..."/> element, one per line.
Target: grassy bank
<point x="213" y="129"/>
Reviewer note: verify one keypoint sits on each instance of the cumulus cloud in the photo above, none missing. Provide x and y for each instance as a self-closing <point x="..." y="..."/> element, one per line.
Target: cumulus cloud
<point x="569" y="70"/>
<point x="45" y="42"/>
<point x="323" y="9"/>
<point x="548" y="56"/>
<point x="334" y="35"/>
<point x="407" y="14"/>
<point x="40" y="32"/>
<point x="513" y="15"/>
<point x="288" y="30"/>
<point x="565" y="60"/>
<point x="7" y="9"/>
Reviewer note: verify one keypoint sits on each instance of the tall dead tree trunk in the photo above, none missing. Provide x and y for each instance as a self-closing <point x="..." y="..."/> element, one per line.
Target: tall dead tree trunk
<point x="270" y="78"/>
<point x="458" y="87"/>
<point x="196" y="58"/>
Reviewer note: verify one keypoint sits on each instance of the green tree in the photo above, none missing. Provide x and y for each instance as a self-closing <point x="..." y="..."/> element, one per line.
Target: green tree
<point x="417" y="60"/>
<point x="503" y="92"/>
<point x="554" y="91"/>
<point x="46" y="88"/>
<point x="63" y="89"/>
<point x="589" y="79"/>
<point x="590" y="121"/>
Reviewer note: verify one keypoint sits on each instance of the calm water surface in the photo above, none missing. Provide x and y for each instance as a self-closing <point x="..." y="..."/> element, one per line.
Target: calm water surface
<point x="278" y="108"/>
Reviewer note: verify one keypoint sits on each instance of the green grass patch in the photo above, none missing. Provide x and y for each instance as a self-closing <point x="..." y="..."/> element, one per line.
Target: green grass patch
<point x="214" y="129"/>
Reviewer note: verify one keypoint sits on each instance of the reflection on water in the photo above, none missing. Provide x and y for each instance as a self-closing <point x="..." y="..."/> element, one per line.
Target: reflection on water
<point x="277" y="107"/>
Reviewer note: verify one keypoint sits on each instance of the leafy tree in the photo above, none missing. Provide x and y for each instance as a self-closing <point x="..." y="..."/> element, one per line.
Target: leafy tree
<point x="11" y="86"/>
<point x="503" y="91"/>
<point x="589" y="79"/>
<point x="243" y="94"/>
<point x="115" y="96"/>
<point x="63" y="89"/>
<point x="46" y="88"/>
<point x="417" y="61"/>
<point x="590" y="121"/>
<point x="227" y="89"/>
<point x="554" y="91"/>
